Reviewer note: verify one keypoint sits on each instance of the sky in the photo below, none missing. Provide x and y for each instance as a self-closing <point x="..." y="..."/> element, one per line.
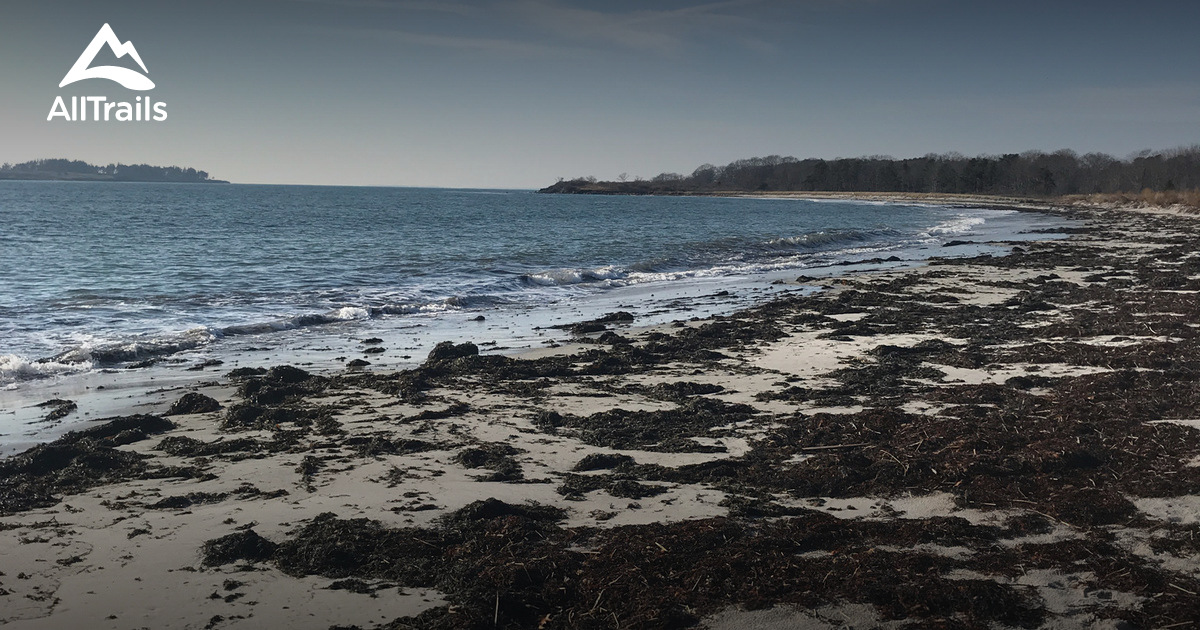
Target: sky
<point x="518" y="93"/>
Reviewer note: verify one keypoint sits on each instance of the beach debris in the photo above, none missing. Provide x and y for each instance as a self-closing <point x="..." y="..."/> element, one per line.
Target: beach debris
<point x="76" y="462"/>
<point x="276" y="385"/>
<point x="667" y="430"/>
<point x="205" y="364"/>
<point x="193" y="402"/>
<point x="584" y="328"/>
<point x="378" y="445"/>
<point x="286" y="374"/>
<point x="622" y="317"/>
<point x="245" y="545"/>
<point x="602" y="461"/>
<point x="495" y="456"/>
<point x="245" y="372"/>
<point x="235" y="448"/>
<point x="59" y="408"/>
<point x="681" y="390"/>
<point x="600" y="324"/>
<point x="618" y="485"/>
<point x="308" y="469"/>
<point x="448" y="350"/>
<point x="505" y="565"/>
<point x="243" y="492"/>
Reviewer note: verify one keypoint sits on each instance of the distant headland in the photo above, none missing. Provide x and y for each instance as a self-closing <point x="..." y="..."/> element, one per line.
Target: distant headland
<point x="1029" y="174"/>
<point x="77" y="170"/>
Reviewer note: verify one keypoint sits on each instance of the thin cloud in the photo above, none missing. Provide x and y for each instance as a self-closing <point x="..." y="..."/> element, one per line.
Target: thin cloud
<point x="538" y="26"/>
<point x="481" y="44"/>
<point x="455" y="8"/>
<point x="664" y="31"/>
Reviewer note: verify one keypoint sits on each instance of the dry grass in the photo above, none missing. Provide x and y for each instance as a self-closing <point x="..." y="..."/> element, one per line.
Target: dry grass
<point x="1187" y="199"/>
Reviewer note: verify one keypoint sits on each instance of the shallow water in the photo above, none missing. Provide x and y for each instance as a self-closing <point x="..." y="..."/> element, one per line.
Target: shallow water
<point x="98" y="276"/>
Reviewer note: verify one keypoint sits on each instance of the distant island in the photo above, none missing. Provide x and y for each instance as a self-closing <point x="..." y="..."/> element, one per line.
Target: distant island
<point x="1029" y="174"/>
<point x="77" y="170"/>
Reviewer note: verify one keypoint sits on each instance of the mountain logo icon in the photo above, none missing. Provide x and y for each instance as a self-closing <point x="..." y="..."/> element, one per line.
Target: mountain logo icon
<point x="130" y="79"/>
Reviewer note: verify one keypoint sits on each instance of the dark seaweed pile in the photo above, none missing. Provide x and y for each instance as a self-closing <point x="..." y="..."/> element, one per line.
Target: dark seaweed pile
<point x="512" y="566"/>
<point x="497" y="457"/>
<point x="650" y="430"/>
<point x="193" y="402"/>
<point x="79" y="461"/>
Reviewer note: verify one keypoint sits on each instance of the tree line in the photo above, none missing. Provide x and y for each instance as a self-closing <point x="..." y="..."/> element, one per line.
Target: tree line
<point x="1032" y="173"/>
<point x="78" y="169"/>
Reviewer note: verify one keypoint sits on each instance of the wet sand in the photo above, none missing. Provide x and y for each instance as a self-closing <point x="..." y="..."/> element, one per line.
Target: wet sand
<point x="983" y="442"/>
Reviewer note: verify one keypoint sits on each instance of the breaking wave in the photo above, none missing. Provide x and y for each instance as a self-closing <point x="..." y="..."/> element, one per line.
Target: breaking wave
<point x="727" y="258"/>
<point x="15" y="368"/>
<point x="448" y="293"/>
<point x="954" y="227"/>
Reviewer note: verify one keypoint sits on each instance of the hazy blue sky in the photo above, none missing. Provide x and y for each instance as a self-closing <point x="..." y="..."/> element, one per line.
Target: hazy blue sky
<point x="515" y="93"/>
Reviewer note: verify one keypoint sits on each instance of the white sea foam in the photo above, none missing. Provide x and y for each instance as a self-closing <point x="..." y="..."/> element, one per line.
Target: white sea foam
<point x="351" y="312"/>
<point x="825" y="238"/>
<point x="801" y="261"/>
<point x="815" y="238"/>
<point x="15" y="368"/>
<point x="957" y="226"/>
<point x="767" y="255"/>
<point x="563" y="277"/>
<point x="108" y="351"/>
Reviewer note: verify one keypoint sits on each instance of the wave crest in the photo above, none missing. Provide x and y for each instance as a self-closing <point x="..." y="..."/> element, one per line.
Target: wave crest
<point x="15" y="368"/>
<point x="567" y="277"/>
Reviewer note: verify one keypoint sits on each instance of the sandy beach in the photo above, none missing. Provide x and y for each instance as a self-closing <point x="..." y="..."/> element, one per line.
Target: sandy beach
<point x="986" y="442"/>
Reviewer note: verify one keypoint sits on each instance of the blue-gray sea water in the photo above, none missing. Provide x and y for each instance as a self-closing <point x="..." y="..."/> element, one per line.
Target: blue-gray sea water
<point x="104" y="275"/>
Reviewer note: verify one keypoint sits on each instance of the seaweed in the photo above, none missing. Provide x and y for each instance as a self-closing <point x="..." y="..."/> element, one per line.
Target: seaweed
<point x="183" y="446"/>
<point x="193" y="402"/>
<point x="448" y="351"/>
<point x="508" y="566"/>
<point x="679" y="391"/>
<point x="378" y="445"/>
<point x="76" y="462"/>
<point x="622" y="485"/>
<point x="667" y="430"/>
<point x="59" y="408"/>
<point x="601" y="461"/>
<point x="244" y="545"/>
<point x="495" y="456"/>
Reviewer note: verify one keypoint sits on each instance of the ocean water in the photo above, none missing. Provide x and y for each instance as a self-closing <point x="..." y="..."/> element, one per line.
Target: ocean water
<point x="96" y="277"/>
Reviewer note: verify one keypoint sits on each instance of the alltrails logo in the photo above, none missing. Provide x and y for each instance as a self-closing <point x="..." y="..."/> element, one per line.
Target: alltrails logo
<point x="101" y="109"/>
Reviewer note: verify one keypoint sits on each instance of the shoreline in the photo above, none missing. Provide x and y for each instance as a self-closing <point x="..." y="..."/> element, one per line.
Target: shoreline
<point x="101" y="390"/>
<point x="1028" y="204"/>
<point x="986" y="440"/>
